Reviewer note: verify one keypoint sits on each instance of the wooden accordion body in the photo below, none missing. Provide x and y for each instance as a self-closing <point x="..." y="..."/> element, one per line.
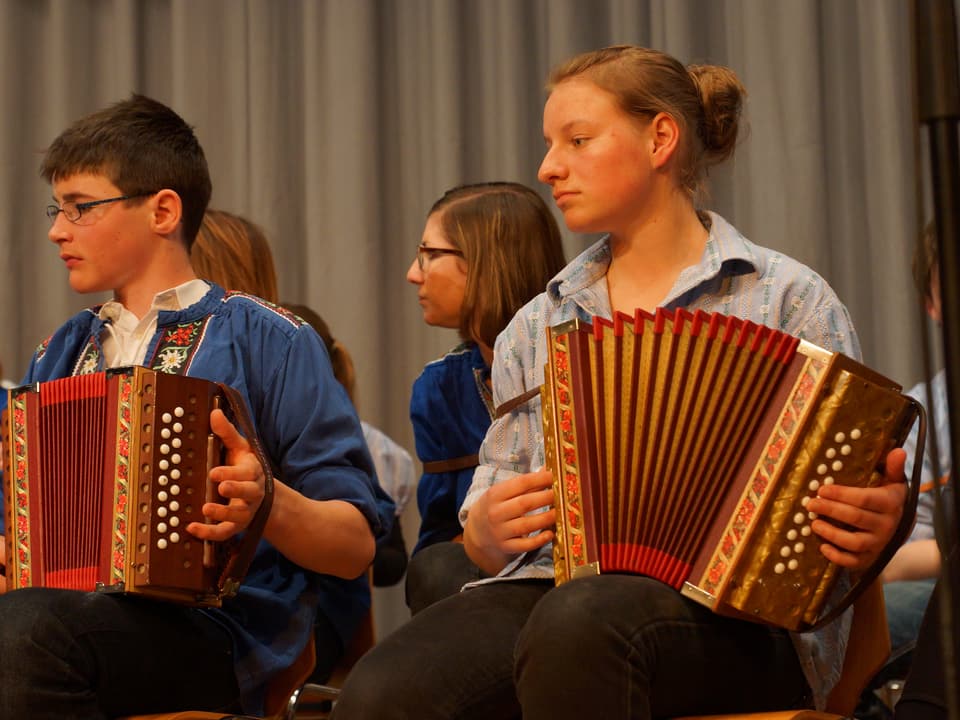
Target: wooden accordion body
<point x="102" y="475"/>
<point x="685" y="447"/>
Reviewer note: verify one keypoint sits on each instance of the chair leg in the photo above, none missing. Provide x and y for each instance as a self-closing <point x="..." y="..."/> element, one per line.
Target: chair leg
<point x="311" y="702"/>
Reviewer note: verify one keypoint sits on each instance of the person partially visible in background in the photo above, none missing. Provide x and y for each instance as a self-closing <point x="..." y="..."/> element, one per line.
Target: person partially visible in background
<point x="486" y="250"/>
<point x="233" y="252"/>
<point x="911" y="574"/>
<point x="394" y="466"/>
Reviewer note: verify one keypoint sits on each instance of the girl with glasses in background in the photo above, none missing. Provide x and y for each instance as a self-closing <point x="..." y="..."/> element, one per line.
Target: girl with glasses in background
<point x="486" y="250"/>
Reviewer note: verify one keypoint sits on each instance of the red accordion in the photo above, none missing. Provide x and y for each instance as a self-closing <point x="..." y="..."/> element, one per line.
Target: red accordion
<point x="686" y="446"/>
<point x="102" y="475"/>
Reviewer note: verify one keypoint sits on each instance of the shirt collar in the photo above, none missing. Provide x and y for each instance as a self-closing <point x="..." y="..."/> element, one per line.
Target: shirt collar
<point x="176" y="298"/>
<point x="727" y="252"/>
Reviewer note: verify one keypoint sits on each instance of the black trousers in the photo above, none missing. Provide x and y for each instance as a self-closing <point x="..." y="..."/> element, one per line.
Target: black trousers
<point x="611" y="646"/>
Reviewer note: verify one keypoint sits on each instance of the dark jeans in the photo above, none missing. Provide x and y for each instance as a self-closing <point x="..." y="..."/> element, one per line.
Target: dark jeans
<point x="906" y="602"/>
<point x="67" y="654"/>
<point x="611" y="647"/>
<point x="437" y="572"/>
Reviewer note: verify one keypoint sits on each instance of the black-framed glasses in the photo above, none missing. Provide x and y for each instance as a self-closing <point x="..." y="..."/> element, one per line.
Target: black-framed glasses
<point x="73" y="211"/>
<point x="425" y="255"/>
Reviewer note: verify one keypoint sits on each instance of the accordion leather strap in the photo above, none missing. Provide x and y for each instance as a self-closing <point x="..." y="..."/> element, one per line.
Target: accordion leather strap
<point x="514" y="403"/>
<point x="899" y="536"/>
<point x="242" y="554"/>
<point x="461" y="463"/>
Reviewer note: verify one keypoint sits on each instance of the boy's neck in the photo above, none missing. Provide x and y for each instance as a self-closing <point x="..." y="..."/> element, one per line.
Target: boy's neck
<point x="139" y="298"/>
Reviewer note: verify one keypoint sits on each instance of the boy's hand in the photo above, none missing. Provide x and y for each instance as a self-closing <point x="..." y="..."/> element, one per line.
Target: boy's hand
<point x="240" y="481"/>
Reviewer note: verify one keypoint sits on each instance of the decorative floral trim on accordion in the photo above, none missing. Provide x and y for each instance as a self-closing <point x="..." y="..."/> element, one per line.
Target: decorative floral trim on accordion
<point x="569" y="545"/>
<point x="177" y="347"/>
<point x="768" y="466"/>
<point x="118" y="542"/>
<point x="21" y="515"/>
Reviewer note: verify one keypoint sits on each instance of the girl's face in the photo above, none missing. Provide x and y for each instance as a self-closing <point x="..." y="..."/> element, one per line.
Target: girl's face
<point x="441" y="279"/>
<point x="597" y="159"/>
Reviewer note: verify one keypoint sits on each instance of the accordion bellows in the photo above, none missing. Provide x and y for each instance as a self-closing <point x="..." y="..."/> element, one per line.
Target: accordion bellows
<point x="686" y="447"/>
<point x="103" y="474"/>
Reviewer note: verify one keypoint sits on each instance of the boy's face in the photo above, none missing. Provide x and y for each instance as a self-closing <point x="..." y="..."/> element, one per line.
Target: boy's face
<point x="110" y="246"/>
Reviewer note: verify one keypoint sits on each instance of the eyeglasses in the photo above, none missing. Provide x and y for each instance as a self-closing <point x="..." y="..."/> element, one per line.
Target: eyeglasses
<point x="426" y="255"/>
<point x="73" y="211"/>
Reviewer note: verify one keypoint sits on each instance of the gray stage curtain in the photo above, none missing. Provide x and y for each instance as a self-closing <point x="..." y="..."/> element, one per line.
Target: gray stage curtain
<point x="336" y="123"/>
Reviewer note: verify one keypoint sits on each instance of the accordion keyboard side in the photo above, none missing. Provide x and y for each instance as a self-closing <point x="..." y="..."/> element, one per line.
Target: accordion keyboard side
<point x="836" y="428"/>
<point x="171" y="415"/>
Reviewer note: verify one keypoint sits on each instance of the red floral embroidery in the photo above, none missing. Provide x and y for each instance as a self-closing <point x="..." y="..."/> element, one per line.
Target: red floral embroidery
<point x="180" y="336"/>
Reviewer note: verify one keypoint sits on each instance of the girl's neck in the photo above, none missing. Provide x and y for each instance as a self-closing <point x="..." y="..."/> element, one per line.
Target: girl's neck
<point x="649" y="256"/>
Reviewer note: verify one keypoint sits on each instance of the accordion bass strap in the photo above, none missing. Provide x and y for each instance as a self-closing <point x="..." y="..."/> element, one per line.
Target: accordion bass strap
<point x="242" y="554"/>
<point x="900" y="535"/>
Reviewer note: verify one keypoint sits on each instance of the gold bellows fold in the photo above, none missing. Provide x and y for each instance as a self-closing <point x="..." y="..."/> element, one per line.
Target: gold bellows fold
<point x="686" y="446"/>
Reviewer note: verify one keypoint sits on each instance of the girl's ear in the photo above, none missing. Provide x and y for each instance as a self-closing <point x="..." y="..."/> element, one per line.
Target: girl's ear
<point x="664" y="138"/>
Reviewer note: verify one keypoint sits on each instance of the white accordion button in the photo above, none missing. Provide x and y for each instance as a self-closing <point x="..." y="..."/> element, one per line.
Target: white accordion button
<point x="175" y="474"/>
<point x="166" y="417"/>
<point x="161" y="527"/>
<point x="784" y="551"/>
<point x="174" y="537"/>
<point x="798" y="548"/>
<point x="162" y="480"/>
<point x="779" y="568"/>
<point x="837" y="465"/>
<point x="174" y="489"/>
<point x="165" y="433"/>
<point x="814" y="485"/>
<point x="174" y="506"/>
<point x="821" y="469"/>
<point x="175" y="459"/>
<point x="176" y="442"/>
<point x="839" y="437"/>
<point x="162" y="496"/>
<point x="162" y="543"/>
<point x="828" y="480"/>
<point x="791" y="534"/>
<point x="163" y="465"/>
<point x="846" y="450"/>
<point x="805" y="531"/>
<point x="177" y="428"/>
<point x="161" y="511"/>
<point x="799" y="518"/>
<point x="174" y="521"/>
<point x="855" y="434"/>
<point x="178" y="411"/>
<point x="164" y="449"/>
<point x="793" y="564"/>
<point x="831" y="453"/>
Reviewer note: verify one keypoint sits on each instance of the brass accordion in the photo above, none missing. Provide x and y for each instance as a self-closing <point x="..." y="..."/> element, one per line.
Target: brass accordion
<point x="685" y="447"/>
<point x="102" y="475"/>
